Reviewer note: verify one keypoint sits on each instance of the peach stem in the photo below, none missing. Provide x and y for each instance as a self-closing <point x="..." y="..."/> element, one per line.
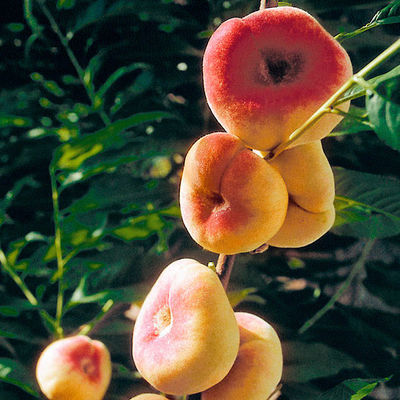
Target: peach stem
<point x="224" y="268"/>
<point x="268" y="4"/>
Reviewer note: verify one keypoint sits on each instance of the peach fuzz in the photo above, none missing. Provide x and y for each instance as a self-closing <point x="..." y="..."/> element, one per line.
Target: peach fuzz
<point x="267" y="73"/>
<point x="258" y="366"/>
<point x="186" y="338"/>
<point x="74" y="368"/>
<point x="302" y="228"/>
<point x="149" y="396"/>
<point x="231" y="199"/>
<point x="308" y="176"/>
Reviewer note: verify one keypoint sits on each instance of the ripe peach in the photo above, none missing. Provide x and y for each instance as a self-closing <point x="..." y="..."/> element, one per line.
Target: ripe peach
<point x="308" y="176"/>
<point x="266" y="74"/>
<point x="231" y="200"/>
<point x="302" y="227"/>
<point x="186" y="338"/>
<point x="149" y="396"/>
<point x="311" y="187"/>
<point x="258" y="366"/>
<point x="74" y="368"/>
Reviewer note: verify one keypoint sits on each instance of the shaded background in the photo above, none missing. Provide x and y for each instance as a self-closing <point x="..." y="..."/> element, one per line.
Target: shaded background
<point x="121" y="223"/>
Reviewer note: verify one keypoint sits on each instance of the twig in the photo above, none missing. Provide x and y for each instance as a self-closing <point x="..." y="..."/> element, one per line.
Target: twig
<point x="224" y="268"/>
<point x="359" y="265"/>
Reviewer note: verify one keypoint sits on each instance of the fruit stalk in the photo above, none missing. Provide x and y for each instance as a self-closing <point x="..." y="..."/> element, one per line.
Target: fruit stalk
<point x="224" y="268"/>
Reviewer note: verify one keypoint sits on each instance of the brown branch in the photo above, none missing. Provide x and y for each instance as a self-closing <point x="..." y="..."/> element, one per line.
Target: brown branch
<point x="224" y="268"/>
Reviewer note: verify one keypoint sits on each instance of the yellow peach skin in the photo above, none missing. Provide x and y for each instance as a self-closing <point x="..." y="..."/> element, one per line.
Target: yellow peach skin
<point x="258" y="366"/>
<point x="186" y="337"/>
<point x="231" y="200"/>
<point x="74" y="368"/>
<point x="311" y="187"/>
<point x="267" y="73"/>
<point x="308" y="176"/>
<point x="149" y="396"/>
<point x="302" y="227"/>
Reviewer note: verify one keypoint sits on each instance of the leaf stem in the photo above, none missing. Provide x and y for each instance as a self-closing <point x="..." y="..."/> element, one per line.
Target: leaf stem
<point x="58" y="247"/>
<point x="331" y="102"/>
<point x="90" y="325"/>
<point x="79" y="70"/>
<point x="357" y="267"/>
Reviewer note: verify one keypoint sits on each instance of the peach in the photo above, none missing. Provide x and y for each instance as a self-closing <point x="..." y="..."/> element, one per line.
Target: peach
<point x="149" y="396"/>
<point x="302" y="228"/>
<point x="311" y="187"/>
<point x="266" y="74"/>
<point x="231" y="199"/>
<point x="258" y="366"/>
<point x="74" y="368"/>
<point x="186" y="338"/>
<point x="308" y="176"/>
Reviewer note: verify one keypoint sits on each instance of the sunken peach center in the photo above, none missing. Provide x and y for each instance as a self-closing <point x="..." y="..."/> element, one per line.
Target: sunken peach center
<point x="162" y="320"/>
<point x="88" y="367"/>
<point x="278" y="67"/>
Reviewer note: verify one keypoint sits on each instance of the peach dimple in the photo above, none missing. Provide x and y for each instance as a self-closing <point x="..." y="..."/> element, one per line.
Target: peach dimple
<point x="262" y="75"/>
<point x="231" y="200"/>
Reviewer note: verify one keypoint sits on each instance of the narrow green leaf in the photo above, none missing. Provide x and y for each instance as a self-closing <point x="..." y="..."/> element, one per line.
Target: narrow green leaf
<point x="71" y="156"/>
<point x="352" y="389"/>
<point x="367" y="205"/>
<point x="120" y="72"/>
<point x="14" y="373"/>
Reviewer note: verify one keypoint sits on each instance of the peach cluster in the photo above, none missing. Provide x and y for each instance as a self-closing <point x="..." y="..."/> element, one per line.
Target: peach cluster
<point x="187" y="339"/>
<point x="264" y="76"/>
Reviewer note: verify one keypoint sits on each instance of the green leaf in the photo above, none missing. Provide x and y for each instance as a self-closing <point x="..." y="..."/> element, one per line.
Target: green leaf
<point x="384" y="112"/>
<point x="93" y="13"/>
<point x="352" y="389"/>
<point x="367" y="205"/>
<point x="355" y="122"/>
<point x="14" y="306"/>
<point x="15" y="27"/>
<point x="238" y="296"/>
<point x="81" y="295"/>
<point x="307" y="361"/>
<point x="13" y="372"/>
<point x="15" y="121"/>
<point x="140" y="227"/>
<point x="120" y="72"/>
<point x="71" y="156"/>
<point x="65" y="4"/>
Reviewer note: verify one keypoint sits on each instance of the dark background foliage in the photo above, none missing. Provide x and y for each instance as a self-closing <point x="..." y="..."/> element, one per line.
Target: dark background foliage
<point x="114" y="129"/>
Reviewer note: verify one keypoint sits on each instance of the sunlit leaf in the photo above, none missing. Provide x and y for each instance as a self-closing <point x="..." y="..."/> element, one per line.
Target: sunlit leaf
<point x="352" y="389"/>
<point x="71" y="156"/>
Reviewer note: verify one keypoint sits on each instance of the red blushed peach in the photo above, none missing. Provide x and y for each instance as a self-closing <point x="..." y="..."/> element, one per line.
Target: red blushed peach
<point x="308" y="176"/>
<point x="302" y="227"/>
<point x="266" y="74"/>
<point x="74" y="368"/>
<point x="231" y="200"/>
<point x="258" y="366"/>
<point x="149" y="396"/>
<point x="186" y="337"/>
